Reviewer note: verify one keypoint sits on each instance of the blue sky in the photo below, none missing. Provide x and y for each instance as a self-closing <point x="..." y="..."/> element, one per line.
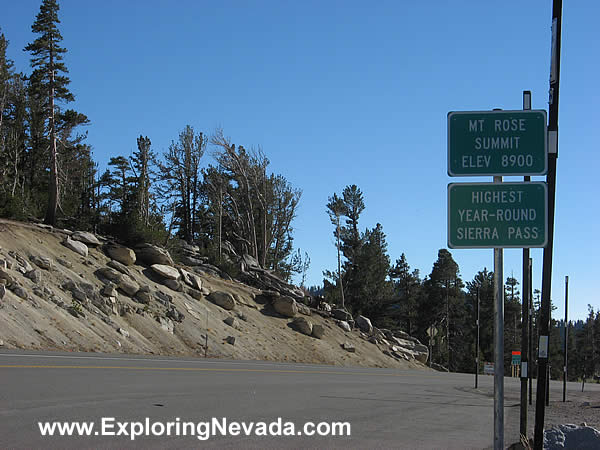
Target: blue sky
<point x="344" y="92"/>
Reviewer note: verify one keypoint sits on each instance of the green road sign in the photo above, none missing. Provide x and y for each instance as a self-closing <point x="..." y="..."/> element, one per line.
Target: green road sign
<point x="516" y="360"/>
<point x="497" y="143"/>
<point x="497" y="215"/>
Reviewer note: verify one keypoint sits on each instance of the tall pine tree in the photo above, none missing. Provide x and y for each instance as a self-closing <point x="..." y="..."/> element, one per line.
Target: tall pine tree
<point x="48" y="86"/>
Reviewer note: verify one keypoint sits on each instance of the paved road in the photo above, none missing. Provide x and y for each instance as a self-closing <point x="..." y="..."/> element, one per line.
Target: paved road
<point x="386" y="408"/>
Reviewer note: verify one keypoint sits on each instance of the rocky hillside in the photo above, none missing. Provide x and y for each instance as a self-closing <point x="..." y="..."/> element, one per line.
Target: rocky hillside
<point x="74" y="291"/>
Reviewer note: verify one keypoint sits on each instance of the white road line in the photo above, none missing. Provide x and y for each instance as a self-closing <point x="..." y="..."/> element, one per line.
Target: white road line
<point x="257" y="363"/>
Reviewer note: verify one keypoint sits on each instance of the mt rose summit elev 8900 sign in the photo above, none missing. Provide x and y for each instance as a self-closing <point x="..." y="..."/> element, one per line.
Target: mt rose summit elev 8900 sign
<point x="497" y="143"/>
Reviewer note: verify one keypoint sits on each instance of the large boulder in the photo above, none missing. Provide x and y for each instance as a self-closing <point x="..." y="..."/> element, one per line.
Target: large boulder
<point x="223" y="299"/>
<point x="303" y="325"/>
<point x="118" y="266"/>
<point x="341" y="314"/>
<point x="109" y="274"/>
<point x="173" y="285"/>
<point x="571" y="436"/>
<point x="128" y="285"/>
<point x="364" y="324"/>
<point x="151" y="254"/>
<point x="85" y="237"/>
<point x="43" y="262"/>
<point x="120" y="253"/>
<point x="191" y="279"/>
<point x="267" y="296"/>
<point x="286" y="306"/>
<point x="344" y="325"/>
<point x="318" y="331"/>
<point x="168" y="272"/>
<point x="76" y="246"/>
<point x="303" y="309"/>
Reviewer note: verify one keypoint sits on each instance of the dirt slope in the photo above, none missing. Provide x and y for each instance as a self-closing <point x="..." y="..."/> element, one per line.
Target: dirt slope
<point x="41" y="313"/>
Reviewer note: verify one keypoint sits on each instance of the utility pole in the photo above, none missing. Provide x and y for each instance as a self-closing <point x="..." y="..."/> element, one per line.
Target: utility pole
<point x="477" y="344"/>
<point x="525" y="314"/>
<point x="498" y="345"/>
<point x="542" y="380"/>
<point x="565" y="371"/>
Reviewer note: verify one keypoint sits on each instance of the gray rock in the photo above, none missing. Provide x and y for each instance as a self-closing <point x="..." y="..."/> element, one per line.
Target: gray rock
<point x="110" y="274"/>
<point x="230" y="340"/>
<point x="163" y="297"/>
<point x="349" y="347"/>
<point x="2" y="291"/>
<point x="109" y="290"/>
<point x="69" y="285"/>
<point x="79" y="295"/>
<point x="341" y="314"/>
<point x="364" y="324"/>
<point x="191" y="279"/>
<point x="166" y="324"/>
<point x="78" y="247"/>
<point x="143" y="295"/>
<point x="65" y="263"/>
<point x="571" y="436"/>
<point x="88" y="288"/>
<point x="318" y="331"/>
<point x="192" y="261"/>
<point x="230" y="321"/>
<point x="223" y="299"/>
<point x="85" y="237"/>
<point x="128" y="285"/>
<point x="19" y="291"/>
<point x="114" y="264"/>
<point x="168" y="272"/>
<point x="303" y="325"/>
<point x="205" y="291"/>
<point x="174" y="314"/>
<point x="344" y="325"/>
<point x="23" y="262"/>
<point x="303" y="309"/>
<point x="421" y="353"/>
<point x="173" y="285"/>
<point x="120" y="253"/>
<point x="6" y="277"/>
<point x="124" y="332"/>
<point x="194" y="293"/>
<point x="43" y="262"/>
<point x="151" y="254"/>
<point x="286" y="306"/>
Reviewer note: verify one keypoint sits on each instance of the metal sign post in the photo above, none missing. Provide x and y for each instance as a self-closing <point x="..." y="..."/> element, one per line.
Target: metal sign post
<point x="498" y="345"/>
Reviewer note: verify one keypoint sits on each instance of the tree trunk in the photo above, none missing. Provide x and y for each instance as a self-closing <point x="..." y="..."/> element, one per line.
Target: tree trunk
<point x="340" y="263"/>
<point x="53" y="194"/>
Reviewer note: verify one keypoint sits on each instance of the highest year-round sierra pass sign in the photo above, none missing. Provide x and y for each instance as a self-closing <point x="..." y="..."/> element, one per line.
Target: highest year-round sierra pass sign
<point x="497" y="143"/>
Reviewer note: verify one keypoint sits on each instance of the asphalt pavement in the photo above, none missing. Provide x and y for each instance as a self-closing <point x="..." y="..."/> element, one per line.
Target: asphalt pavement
<point x="386" y="408"/>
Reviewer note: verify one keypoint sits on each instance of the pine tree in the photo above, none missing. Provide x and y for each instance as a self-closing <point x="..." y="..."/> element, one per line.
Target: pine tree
<point x="48" y="85"/>
<point x="335" y="210"/>
<point x="443" y="304"/>
<point x="407" y="289"/>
